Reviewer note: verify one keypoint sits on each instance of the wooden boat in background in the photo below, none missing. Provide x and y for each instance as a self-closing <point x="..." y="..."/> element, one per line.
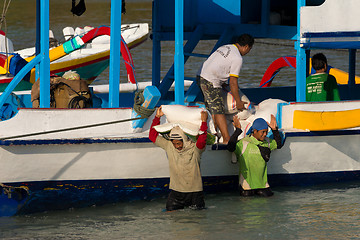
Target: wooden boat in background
<point x="90" y="60"/>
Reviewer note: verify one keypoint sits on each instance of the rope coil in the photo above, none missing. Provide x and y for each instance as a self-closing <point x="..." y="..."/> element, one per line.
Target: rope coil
<point x="138" y="108"/>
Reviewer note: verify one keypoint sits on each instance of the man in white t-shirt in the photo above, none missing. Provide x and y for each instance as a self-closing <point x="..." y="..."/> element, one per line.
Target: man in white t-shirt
<point x="222" y="66"/>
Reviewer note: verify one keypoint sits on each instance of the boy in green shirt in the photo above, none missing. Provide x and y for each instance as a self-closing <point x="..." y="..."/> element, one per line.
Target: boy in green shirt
<point x="253" y="153"/>
<point x="320" y="86"/>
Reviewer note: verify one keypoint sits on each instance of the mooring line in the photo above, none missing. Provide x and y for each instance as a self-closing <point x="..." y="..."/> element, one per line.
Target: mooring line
<point x="72" y="128"/>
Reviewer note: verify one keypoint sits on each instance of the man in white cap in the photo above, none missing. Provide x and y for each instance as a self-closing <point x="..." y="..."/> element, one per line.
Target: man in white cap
<point x="184" y="163"/>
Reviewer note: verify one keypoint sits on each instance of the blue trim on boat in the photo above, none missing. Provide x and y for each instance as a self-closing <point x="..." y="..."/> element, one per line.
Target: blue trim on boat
<point x="57" y="195"/>
<point x="279" y="115"/>
<point x="72" y="141"/>
<point x="310" y="179"/>
<point x="332" y="45"/>
<point x="323" y="133"/>
<point x="331" y="40"/>
<point x="330" y="34"/>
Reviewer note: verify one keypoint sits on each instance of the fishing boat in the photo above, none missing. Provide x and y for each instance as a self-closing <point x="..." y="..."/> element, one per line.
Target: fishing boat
<point x="60" y="158"/>
<point x="90" y="60"/>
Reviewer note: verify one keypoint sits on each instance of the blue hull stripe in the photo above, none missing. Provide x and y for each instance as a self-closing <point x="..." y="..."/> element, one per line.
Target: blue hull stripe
<point x="72" y="141"/>
<point x="323" y="133"/>
<point x="57" y="195"/>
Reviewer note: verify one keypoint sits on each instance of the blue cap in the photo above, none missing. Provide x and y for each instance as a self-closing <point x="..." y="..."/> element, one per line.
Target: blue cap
<point x="258" y="124"/>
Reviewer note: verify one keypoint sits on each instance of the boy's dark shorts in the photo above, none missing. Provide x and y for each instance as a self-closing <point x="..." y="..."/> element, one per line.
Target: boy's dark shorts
<point x="178" y="200"/>
<point x="263" y="192"/>
<point x="213" y="99"/>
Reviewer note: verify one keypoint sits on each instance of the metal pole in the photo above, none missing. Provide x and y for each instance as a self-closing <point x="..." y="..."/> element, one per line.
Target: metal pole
<point x="115" y="43"/>
<point x="300" y="61"/>
<point x="265" y="14"/>
<point x="37" y="43"/>
<point x="179" y="52"/>
<point x="44" y="52"/>
<point x="156" y="51"/>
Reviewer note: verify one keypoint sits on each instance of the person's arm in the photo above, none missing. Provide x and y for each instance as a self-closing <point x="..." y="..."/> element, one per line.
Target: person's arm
<point x="201" y="141"/>
<point x="277" y="138"/>
<point x="231" y="146"/>
<point x="336" y="95"/>
<point x="153" y="133"/>
<point x="275" y="130"/>
<point x="331" y="88"/>
<point x="234" y="88"/>
<point x="308" y="96"/>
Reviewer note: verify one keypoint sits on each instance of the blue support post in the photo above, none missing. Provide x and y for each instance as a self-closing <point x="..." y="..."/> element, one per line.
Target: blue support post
<point x="307" y="55"/>
<point x="265" y="15"/>
<point x="19" y="76"/>
<point x="115" y="44"/>
<point x="300" y="61"/>
<point x="44" y="52"/>
<point x="179" y="52"/>
<point x="37" y="43"/>
<point x="188" y="48"/>
<point x="156" y="51"/>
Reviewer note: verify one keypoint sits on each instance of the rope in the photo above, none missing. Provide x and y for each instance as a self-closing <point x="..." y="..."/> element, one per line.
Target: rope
<point x="3" y="15"/>
<point x="69" y="129"/>
<point x="20" y="104"/>
<point x="292" y="45"/>
<point x="138" y="101"/>
<point x="75" y="101"/>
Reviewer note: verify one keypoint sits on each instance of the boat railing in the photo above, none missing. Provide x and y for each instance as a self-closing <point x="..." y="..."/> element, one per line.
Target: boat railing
<point x="16" y="80"/>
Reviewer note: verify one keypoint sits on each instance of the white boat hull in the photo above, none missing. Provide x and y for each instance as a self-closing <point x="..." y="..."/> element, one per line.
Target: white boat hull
<point x="45" y="151"/>
<point x="94" y="159"/>
<point x="45" y="139"/>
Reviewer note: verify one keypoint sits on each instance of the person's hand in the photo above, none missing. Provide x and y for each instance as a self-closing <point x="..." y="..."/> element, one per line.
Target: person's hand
<point x="236" y="122"/>
<point x="204" y="116"/>
<point x="272" y="123"/>
<point x="159" y="112"/>
<point x="240" y="105"/>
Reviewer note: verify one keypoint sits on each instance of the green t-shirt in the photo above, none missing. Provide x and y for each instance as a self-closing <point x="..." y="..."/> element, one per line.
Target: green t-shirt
<point x="253" y="168"/>
<point x="321" y="87"/>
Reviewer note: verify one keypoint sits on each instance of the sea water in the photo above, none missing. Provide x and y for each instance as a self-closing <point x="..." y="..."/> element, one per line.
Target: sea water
<point x="320" y="212"/>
